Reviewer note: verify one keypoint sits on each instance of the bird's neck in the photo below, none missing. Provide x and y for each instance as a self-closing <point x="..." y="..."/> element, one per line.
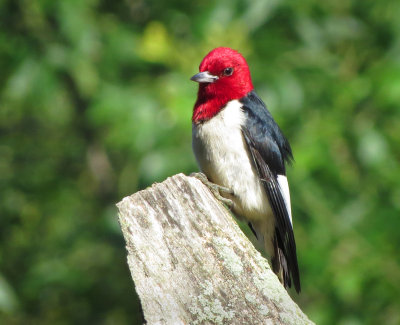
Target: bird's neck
<point x="209" y="103"/>
<point x="207" y="109"/>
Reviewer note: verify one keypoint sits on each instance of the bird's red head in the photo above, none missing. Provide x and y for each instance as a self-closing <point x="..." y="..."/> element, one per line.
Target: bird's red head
<point x="224" y="76"/>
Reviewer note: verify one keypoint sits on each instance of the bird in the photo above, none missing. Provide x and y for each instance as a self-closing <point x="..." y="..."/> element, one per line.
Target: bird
<point x="241" y="149"/>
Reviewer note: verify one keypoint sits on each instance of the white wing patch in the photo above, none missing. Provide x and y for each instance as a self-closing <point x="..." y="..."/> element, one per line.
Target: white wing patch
<point x="283" y="183"/>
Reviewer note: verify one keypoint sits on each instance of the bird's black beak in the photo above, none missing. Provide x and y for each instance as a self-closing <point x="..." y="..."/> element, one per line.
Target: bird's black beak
<point x="205" y="77"/>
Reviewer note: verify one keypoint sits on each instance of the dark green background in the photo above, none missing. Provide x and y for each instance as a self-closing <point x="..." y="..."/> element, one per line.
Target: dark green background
<point x="96" y="102"/>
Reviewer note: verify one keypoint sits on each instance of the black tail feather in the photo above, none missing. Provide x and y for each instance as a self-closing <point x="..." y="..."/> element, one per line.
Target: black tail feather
<point x="280" y="265"/>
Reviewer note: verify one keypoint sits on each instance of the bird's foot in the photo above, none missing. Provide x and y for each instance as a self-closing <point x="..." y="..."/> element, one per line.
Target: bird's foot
<point x="215" y="189"/>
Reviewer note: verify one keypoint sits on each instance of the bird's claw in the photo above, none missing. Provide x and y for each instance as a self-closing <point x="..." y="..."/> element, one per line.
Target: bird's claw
<point x="215" y="189"/>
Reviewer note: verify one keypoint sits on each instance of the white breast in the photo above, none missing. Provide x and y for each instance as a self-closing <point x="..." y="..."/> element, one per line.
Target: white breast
<point x="222" y="155"/>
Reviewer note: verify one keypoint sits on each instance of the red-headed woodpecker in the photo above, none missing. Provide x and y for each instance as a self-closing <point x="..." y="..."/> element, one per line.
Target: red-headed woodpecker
<point x="239" y="146"/>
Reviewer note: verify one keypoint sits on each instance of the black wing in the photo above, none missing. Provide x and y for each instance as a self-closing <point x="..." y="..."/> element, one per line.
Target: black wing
<point x="270" y="150"/>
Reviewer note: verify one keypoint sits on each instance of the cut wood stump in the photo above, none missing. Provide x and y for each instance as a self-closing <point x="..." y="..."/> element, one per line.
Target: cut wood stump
<point x="191" y="263"/>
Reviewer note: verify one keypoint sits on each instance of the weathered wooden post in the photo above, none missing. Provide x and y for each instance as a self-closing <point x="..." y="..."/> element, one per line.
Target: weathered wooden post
<point x="191" y="263"/>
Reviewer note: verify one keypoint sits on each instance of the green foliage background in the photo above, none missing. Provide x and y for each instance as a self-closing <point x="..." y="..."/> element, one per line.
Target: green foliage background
<point x="96" y="102"/>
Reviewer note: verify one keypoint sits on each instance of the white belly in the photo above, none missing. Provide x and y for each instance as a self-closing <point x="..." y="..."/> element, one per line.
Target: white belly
<point x="222" y="155"/>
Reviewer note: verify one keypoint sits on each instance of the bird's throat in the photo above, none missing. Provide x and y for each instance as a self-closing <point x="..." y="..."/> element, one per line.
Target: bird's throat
<point x="205" y="110"/>
<point x="210" y="101"/>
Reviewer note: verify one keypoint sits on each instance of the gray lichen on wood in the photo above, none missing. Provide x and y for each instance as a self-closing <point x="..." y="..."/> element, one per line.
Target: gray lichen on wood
<point x="191" y="263"/>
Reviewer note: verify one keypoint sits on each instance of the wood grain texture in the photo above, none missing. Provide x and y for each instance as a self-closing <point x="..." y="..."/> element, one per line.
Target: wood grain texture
<point x="191" y="263"/>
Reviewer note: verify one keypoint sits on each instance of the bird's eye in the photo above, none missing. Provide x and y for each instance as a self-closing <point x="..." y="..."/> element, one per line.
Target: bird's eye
<point x="228" y="71"/>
